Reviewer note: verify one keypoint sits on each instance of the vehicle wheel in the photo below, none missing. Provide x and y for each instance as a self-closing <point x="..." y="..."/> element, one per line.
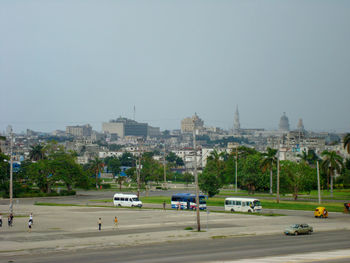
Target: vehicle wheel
<point x="132" y="205"/>
<point x="249" y="211"/>
<point x="296" y="233"/>
<point x="119" y="205"/>
<point x="232" y="210"/>
<point x="309" y="232"/>
<point x="321" y="216"/>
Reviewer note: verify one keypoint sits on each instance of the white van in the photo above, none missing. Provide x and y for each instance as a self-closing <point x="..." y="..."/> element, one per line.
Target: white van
<point x="237" y="204"/>
<point x="126" y="200"/>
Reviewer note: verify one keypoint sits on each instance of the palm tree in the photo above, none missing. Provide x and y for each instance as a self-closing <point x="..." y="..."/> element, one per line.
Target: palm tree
<point x="347" y="142"/>
<point x="304" y="157"/>
<point x="96" y="166"/>
<point x="36" y="152"/>
<point x="269" y="161"/>
<point x="332" y="162"/>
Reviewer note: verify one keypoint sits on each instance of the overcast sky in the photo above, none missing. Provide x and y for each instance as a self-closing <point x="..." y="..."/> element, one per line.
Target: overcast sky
<point x="72" y="62"/>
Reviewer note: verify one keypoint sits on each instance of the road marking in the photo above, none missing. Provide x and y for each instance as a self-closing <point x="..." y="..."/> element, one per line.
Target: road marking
<point x="298" y="258"/>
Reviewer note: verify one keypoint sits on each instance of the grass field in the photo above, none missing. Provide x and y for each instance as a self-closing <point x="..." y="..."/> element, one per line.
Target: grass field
<point x="338" y="194"/>
<point x="266" y="203"/>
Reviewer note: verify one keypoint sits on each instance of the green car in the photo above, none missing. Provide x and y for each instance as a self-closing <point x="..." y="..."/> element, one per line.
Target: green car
<point x="298" y="229"/>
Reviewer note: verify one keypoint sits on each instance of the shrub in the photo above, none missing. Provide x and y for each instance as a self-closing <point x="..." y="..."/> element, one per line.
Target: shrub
<point x="106" y="186"/>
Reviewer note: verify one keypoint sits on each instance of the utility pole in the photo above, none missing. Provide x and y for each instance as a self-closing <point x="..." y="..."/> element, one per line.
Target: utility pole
<point x="196" y="176"/>
<point x="138" y="170"/>
<point x="318" y="183"/>
<point x="236" y="168"/>
<point x="278" y="175"/>
<point x="11" y="173"/>
<point x="165" y="183"/>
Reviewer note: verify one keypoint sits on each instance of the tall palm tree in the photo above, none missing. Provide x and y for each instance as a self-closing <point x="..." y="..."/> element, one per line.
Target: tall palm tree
<point x="269" y="161"/>
<point x="304" y="157"/>
<point x="332" y="162"/>
<point x="96" y="166"/>
<point x="347" y="142"/>
<point x="36" y="152"/>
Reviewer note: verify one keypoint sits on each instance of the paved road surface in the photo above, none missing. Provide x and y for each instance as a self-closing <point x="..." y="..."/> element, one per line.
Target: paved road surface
<point x="261" y="248"/>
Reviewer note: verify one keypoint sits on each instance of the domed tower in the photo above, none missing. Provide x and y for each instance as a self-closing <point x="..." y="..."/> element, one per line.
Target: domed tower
<point x="284" y="123"/>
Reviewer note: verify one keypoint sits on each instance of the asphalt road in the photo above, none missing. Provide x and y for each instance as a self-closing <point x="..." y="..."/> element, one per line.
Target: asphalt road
<point x="214" y="250"/>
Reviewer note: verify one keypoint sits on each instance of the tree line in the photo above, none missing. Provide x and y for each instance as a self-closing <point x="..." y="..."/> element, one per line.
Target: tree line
<point x="257" y="171"/>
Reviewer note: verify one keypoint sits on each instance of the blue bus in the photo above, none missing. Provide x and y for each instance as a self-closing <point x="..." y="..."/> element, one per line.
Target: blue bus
<point x="188" y="201"/>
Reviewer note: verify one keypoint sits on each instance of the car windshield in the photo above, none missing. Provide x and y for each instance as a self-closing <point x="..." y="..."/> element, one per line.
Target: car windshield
<point x="295" y="226"/>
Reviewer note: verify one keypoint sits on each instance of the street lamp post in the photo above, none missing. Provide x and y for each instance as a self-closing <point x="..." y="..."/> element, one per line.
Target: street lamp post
<point x="165" y="183"/>
<point x="236" y="168"/>
<point x="278" y="176"/>
<point x="11" y="173"/>
<point x="318" y="183"/>
<point x="196" y="176"/>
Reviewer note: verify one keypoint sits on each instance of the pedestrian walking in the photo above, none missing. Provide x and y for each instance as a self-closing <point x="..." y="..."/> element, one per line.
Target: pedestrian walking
<point x="115" y="222"/>
<point x="9" y="221"/>
<point x="99" y="222"/>
<point x="164" y="205"/>
<point x="30" y="223"/>
<point x="0" y="220"/>
<point x="31" y="218"/>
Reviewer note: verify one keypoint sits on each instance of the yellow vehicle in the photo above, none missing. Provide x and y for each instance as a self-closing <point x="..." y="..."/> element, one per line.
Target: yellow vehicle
<point x="321" y="212"/>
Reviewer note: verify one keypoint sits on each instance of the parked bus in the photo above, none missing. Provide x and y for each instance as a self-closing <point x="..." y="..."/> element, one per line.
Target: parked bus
<point x="187" y="201"/>
<point x="126" y="200"/>
<point x="237" y="204"/>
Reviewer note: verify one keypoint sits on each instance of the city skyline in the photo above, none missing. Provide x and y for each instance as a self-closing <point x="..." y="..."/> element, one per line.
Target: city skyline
<point x="72" y="63"/>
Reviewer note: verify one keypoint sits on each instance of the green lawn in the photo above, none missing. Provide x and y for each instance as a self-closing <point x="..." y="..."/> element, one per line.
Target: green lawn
<point x="266" y="203"/>
<point x="338" y="194"/>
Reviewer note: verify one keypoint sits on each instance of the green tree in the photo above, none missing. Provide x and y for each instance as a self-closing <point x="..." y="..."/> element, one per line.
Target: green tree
<point x="209" y="183"/>
<point x="127" y="159"/>
<point x="269" y="162"/>
<point x="347" y="142"/>
<point x="296" y="177"/>
<point x="113" y="165"/>
<point x="251" y="175"/>
<point x="332" y="162"/>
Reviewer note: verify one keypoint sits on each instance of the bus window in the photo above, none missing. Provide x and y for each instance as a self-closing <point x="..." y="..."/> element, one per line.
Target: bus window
<point x="238" y="203"/>
<point x="227" y="202"/>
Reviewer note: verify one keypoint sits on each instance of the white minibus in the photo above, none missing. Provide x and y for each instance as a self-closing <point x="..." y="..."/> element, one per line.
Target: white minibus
<point x="126" y="200"/>
<point x="237" y="204"/>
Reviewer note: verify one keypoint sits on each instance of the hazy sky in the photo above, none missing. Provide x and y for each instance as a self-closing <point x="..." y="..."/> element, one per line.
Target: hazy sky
<point x="69" y="62"/>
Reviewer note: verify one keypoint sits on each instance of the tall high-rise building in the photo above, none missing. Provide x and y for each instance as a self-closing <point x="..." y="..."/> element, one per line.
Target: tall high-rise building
<point x="236" y="123"/>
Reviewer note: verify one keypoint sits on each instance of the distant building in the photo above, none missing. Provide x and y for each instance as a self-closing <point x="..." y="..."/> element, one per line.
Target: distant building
<point x="236" y="123"/>
<point x="188" y="124"/>
<point x="125" y="127"/>
<point x="79" y="131"/>
<point x="284" y="123"/>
